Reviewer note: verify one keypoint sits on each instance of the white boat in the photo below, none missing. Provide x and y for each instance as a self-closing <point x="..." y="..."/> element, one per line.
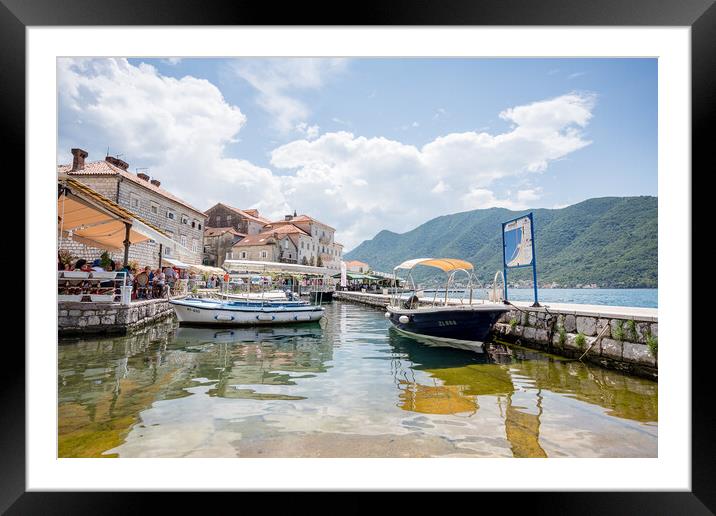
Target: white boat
<point x="243" y="313"/>
<point x="272" y="295"/>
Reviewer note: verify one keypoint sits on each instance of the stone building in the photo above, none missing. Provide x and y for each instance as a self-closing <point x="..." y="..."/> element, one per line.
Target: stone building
<point x="139" y="194"/>
<point x="317" y="242"/>
<point x="269" y="246"/>
<point x="217" y="243"/>
<point x="247" y="222"/>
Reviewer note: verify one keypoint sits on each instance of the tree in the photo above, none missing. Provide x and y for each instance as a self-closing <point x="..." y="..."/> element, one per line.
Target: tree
<point x="312" y="261"/>
<point x="304" y="261"/>
<point x="319" y="262"/>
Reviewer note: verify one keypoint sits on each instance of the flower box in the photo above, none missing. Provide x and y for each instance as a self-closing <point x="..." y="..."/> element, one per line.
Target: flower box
<point x="69" y="297"/>
<point x="102" y="298"/>
<point x="104" y="275"/>
<point x="75" y="274"/>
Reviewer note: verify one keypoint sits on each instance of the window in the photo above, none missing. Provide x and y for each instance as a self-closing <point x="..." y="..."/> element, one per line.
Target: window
<point x="182" y="238"/>
<point x="167" y="251"/>
<point x="264" y="254"/>
<point x="302" y="244"/>
<point x="193" y="223"/>
<point x="243" y="255"/>
<point x="228" y="220"/>
<point x="285" y="244"/>
<point x="199" y="226"/>
<point x="195" y="245"/>
<point x="218" y="220"/>
<point x="134" y="201"/>
<point x="184" y="219"/>
<point x="171" y="214"/>
<point x="155" y="208"/>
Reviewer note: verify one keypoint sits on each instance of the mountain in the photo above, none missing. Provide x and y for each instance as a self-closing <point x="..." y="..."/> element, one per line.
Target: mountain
<point x="610" y="241"/>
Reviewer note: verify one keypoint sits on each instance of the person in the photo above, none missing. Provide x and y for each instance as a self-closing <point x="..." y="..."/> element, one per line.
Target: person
<point x="170" y="276"/>
<point x="96" y="265"/>
<point x="79" y="264"/>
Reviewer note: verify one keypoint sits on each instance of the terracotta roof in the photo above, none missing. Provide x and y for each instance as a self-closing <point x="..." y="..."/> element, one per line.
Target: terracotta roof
<point x="210" y="232"/>
<point x="284" y="229"/>
<point x="356" y="263"/>
<point x="249" y="214"/>
<point x="302" y="218"/>
<point x="260" y="239"/>
<point x="267" y="237"/>
<point x="104" y="168"/>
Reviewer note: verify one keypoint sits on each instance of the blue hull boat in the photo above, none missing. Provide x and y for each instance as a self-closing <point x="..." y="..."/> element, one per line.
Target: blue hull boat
<point x="464" y="325"/>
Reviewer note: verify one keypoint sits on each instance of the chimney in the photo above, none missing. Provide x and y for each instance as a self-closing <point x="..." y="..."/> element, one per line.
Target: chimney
<point x="288" y="217"/>
<point x="118" y="162"/>
<point x="155" y="182"/>
<point x="142" y="175"/>
<point x="78" y="159"/>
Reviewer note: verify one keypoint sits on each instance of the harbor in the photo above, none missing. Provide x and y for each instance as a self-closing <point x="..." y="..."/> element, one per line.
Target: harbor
<point x="616" y="337"/>
<point x="304" y="290"/>
<point x="348" y="387"/>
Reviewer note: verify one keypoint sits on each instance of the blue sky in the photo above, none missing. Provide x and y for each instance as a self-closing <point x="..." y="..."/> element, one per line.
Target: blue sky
<point x="371" y="144"/>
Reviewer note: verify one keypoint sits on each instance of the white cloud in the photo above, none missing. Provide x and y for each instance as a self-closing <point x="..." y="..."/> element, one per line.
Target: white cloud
<point x="173" y="60"/>
<point x="403" y="185"/>
<point x="277" y="79"/>
<point x="179" y="128"/>
<point x="309" y="131"/>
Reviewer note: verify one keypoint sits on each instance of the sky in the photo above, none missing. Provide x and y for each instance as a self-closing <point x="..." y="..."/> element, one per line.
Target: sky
<point x="367" y="144"/>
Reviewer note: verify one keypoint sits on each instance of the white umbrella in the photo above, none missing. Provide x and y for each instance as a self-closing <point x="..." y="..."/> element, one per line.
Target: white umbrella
<point x="344" y="280"/>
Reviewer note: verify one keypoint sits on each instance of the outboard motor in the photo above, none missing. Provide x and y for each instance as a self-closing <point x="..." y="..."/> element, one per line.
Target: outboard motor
<point x="411" y="302"/>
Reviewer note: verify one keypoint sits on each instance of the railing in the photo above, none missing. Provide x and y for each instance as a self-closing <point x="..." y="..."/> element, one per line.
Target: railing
<point x="92" y="286"/>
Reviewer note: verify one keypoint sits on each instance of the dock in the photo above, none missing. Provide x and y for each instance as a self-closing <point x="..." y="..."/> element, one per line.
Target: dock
<point x="78" y="318"/>
<point x="616" y="337"/>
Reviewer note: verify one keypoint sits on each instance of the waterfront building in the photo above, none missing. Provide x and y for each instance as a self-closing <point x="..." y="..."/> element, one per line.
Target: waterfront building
<point x="144" y="196"/>
<point x="218" y="242"/>
<point x="356" y="266"/>
<point x="275" y="245"/>
<point x="246" y="222"/>
<point x="318" y="245"/>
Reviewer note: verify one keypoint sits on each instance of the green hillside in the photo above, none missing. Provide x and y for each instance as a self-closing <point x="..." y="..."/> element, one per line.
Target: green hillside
<point x="610" y="241"/>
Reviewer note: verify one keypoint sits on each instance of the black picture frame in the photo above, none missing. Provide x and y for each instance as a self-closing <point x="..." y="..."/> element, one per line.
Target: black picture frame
<point x="16" y="15"/>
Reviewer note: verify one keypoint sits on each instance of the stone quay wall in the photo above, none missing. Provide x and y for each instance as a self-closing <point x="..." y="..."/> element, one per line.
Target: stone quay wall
<point x="622" y="342"/>
<point x="84" y="318"/>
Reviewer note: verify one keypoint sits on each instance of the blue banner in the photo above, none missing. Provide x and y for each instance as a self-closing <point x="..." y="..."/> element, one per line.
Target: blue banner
<point x="518" y="242"/>
<point x="518" y="248"/>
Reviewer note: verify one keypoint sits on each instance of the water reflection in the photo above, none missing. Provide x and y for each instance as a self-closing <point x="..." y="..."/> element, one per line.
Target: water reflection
<point x="515" y="378"/>
<point x="254" y="356"/>
<point x="350" y="387"/>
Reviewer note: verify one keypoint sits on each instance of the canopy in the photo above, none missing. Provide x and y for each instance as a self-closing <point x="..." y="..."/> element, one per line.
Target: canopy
<point x="176" y="263"/>
<point x="286" y="268"/>
<point x="207" y="268"/>
<point x="90" y="218"/>
<point x="444" y="264"/>
<point x="358" y="276"/>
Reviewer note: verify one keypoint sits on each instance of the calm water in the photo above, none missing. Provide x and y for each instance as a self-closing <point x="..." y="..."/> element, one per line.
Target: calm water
<point x="641" y="297"/>
<point x="349" y="387"/>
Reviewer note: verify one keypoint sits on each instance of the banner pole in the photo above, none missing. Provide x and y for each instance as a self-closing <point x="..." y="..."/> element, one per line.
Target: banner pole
<point x="534" y="259"/>
<point x="504" y="263"/>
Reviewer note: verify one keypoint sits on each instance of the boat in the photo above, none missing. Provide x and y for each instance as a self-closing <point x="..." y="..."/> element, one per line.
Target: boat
<point x="270" y="296"/>
<point x="321" y="296"/>
<point x="464" y="325"/>
<point x="243" y="312"/>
